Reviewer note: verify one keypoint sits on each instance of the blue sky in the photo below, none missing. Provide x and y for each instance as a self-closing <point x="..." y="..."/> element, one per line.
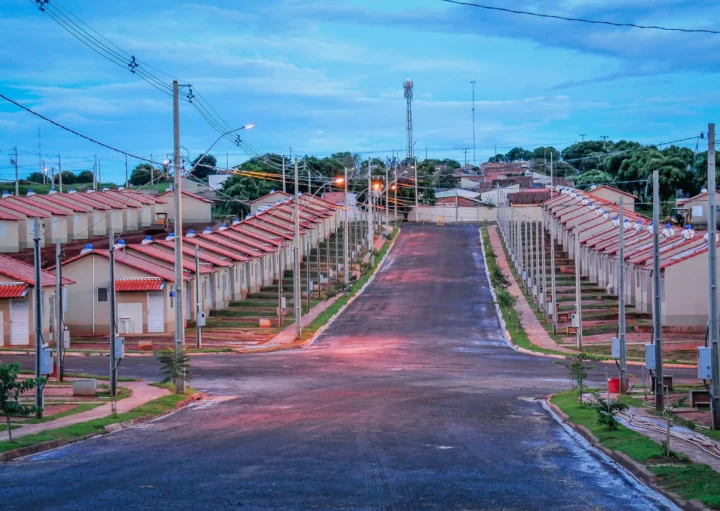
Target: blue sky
<point x="324" y="76"/>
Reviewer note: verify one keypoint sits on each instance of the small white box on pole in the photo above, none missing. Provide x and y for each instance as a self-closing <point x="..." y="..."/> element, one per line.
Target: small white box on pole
<point x="574" y="321"/>
<point x="615" y="347"/>
<point x="46" y="361"/>
<point x="119" y="347"/>
<point x="201" y="319"/>
<point x="705" y="363"/>
<point x="283" y="302"/>
<point x="650" y="356"/>
<point x="550" y="308"/>
<point x="66" y="338"/>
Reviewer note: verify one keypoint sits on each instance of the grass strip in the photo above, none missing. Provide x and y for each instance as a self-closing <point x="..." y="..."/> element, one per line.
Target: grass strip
<point x="680" y="475"/>
<point x="518" y="334"/>
<point x="96" y="426"/>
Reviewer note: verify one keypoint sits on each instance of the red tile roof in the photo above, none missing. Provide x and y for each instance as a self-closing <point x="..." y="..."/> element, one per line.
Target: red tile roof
<point x="258" y="224"/>
<point x="242" y="238"/>
<point x="139" y="284"/>
<point x="138" y="196"/>
<point x="164" y="256"/>
<point x="24" y="272"/>
<point x="126" y="258"/>
<point x="262" y="239"/>
<point x="103" y="198"/>
<point x="229" y="244"/>
<point x="608" y="187"/>
<point x="46" y="208"/>
<point x="23" y="210"/>
<point x="280" y="192"/>
<point x="82" y="199"/>
<point x="213" y="248"/>
<point x="12" y="217"/>
<point x="204" y="256"/>
<point x="74" y="206"/>
<point x="13" y="289"/>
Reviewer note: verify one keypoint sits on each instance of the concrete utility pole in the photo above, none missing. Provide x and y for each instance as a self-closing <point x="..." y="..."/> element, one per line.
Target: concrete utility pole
<point x="177" y="227"/>
<point x="58" y="313"/>
<point x="127" y="181"/>
<point x="280" y="273"/>
<point x="657" y="324"/>
<point x="199" y="307"/>
<point x="583" y="135"/>
<point x="152" y="170"/>
<point x="473" y="119"/>
<point x="39" y="341"/>
<point x="712" y="271"/>
<point x="60" y="172"/>
<point x="17" y="176"/>
<point x="553" y="296"/>
<point x="538" y="269"/>
<point x="283" y="175"/>
<point x="337" y="252"/>
<point x="297" y="284"/>
<point x="417" y="202"/>
<point x="113" y="319"/>
<point x="531" y="260"/>
<point x="543" y="294"/>
<point x="346" y="228"/>
<point x="578" y="293"/>
<point x="552" y="180"/>
<point x="387" y="196"/>
<point x="621" y="295"/>
<point x="94" y="184"/>
<point x="371" y="234"/>
<point x="309" y="182"/>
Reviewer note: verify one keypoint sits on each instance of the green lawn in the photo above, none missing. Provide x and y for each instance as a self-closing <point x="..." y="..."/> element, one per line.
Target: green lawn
<point x="689" y="480"/>
<point x="93" y="427"/>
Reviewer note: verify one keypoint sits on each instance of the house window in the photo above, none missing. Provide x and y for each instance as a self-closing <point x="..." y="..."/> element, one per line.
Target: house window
<point x="102" y="295"/>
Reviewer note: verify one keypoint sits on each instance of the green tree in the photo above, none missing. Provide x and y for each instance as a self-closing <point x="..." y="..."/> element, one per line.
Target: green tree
<point x="86" y="176"/>
<point x="205" y="167"/>
<point x="140" y="174"/>
<point x="10" y="390"/>
<point x="517" y="154"/>
<point x="36" y="177"/>
<point x="578" y="368"/>
<point x="243" y="188"/>
<point x="593" y="177"/>
<point x="174" y="366"/>
<point x="68" y="178"/>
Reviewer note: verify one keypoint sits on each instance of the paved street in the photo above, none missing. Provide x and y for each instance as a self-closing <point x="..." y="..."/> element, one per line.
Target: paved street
<point x="409" y="400"/>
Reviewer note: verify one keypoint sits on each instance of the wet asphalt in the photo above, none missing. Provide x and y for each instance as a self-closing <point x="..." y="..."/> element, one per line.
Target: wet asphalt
<point x="409" y="400"/>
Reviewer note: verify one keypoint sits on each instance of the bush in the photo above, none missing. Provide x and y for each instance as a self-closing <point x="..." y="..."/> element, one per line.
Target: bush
<point x="578" y="370"/>
<point x="606" y="411"/>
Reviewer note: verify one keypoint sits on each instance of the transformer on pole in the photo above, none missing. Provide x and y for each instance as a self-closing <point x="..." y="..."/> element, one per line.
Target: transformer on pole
<point x="408" y="88"/>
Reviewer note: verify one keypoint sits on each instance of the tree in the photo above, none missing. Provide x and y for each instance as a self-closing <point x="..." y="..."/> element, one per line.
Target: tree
<point x="68" y="178"/>
<point x="86" y="176"/>
<point x="517" y="154"/>
<point x="10" y="390"/>
<point x="593" y="177"/>
<point x="205" y="167"/>
<point x="36" y="177"/>
<point x="578" y="370"/>
<point x="174" y="366"/>
<point x="243" y="188"/>
<point x="141" y="175"/>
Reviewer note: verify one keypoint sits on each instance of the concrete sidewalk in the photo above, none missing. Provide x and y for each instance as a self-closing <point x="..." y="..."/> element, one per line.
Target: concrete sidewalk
<point x="534" y="330"/>
<point x="141" y="394"/>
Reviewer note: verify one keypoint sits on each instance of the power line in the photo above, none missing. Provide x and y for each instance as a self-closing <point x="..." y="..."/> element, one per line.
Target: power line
<point x="70" y="130"/>
<point x="583" y="20"/>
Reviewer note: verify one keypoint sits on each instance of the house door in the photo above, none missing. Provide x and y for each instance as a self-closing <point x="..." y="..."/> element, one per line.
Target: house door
<point x="156" y="312"/>
<point x="19" y="323"/>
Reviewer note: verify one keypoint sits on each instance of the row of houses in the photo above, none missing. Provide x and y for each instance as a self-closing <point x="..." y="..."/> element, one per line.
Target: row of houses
<point x="235" y="260"/>
<point x="76" y="215"/>
<point x="592" y="218"/>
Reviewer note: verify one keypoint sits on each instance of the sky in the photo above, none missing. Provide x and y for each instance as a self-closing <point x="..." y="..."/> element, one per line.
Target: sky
<point x="322" y="76"/>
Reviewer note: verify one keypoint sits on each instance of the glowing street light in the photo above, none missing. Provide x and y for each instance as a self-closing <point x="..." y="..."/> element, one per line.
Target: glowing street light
<point x="339" y="180"/>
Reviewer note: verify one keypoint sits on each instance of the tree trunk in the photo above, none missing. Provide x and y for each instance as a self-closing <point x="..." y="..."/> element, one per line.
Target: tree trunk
<point x="7" y="418"/>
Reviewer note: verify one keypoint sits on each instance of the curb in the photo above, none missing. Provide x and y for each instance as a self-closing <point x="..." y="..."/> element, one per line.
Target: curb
<point x="637" y="470"/>
<point x="310" y="341"/>
<point x="111" y="428"/>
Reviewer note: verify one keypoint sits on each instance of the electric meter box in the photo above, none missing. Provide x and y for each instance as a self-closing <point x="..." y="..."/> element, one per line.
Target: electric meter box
<point x="574" y="321"/>
<point x="283" y="302"/>
<point x="550" y="308"/>
<point x="201" y="319"/>
<point x="46" y="361"/>
<point x="119" y="347"/>
<point x="615" y="347"/>
<point x="66" y="338"/>
<point x="650" y="356"/>
<point x="705" y="363"/>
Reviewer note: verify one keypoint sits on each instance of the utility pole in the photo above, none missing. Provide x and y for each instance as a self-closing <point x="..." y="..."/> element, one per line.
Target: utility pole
<point x="531" y="259"/>
<point x="337" y="253"/>
<point x="39" y="341"/>
<point x="283" y="175"/>
<point x="199" y="307"/>
<point x="578" y="292"/>
<point x="583" y="135"/>
<point x="712" y="270"/>
<point x="371" y="234"/>
<point x="552" y="179"/>
<point x="94" y="183"/>
<point x="465" y="156"/>
<point x="281" y="273"/>
<point x="604" y="137"/>
<point x="538" y="269"/>
<point x="309" y="182"/>
<point x="152" y="170"/>
<point x="473" y="119"/>
<point x="113" y="329"/>
<point x="417" y="204"/>
<point x="17" y="177"/>
<point x="99" y="179"/>
<point x="552" y="276"/>
<point x="387" y="196"/>
<point x="60" y="173"/>
<point x="177" y="227"/>
<point x="657" y="323"/>
<point x="396" y="190"/>
<point x="346" y="265"/>
<point x="621" y="295"/>
<point x="127" y="181"/>
<point x="59" y="335"/>
<point x="543" y="294"/>
<point x="297" y="284"/>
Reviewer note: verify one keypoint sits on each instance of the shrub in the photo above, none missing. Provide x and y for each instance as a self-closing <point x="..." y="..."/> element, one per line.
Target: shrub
<point x="578" y="370"/>
<point x="606" y="410"/>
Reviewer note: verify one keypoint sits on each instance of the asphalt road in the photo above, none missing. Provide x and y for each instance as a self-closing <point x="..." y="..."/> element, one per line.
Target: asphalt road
<point x="409" y="400"/>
